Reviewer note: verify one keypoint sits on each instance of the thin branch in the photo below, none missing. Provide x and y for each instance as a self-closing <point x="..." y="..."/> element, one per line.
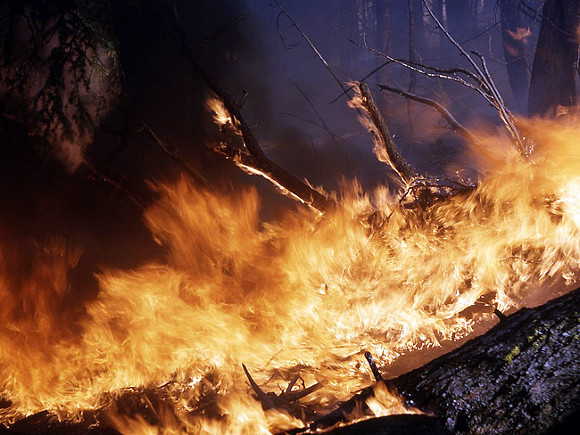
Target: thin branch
<point x="453" y="123"/>
<point x="263" y="165"/>
<point x="383" y="136"/>
<point x="99" y="175"/>
<point x="312" y="46"/>
<point x="489" y="85"/>
<point x="350" y="88"/>
<point x="376" y="373"/>
<point x="323" y="123"/>
<point x="267" y="402"/>
<point x="171" y="152"/>
<point x="434" y="72"/>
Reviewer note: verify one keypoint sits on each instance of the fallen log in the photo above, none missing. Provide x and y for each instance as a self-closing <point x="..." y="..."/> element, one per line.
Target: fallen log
<point x="522" y="376"/>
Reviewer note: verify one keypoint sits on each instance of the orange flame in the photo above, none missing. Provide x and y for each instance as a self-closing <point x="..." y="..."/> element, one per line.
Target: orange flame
<point x="307" y="293"/>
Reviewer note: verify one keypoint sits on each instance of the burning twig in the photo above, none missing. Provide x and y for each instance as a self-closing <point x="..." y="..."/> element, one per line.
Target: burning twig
<point x="265" y="399"/>
<point x="373" y="365"/>
<point x="388" y="149"/>
<point x="501" y="316"/>
<point x="261" y="164"/>
<point x="283" y="400"/>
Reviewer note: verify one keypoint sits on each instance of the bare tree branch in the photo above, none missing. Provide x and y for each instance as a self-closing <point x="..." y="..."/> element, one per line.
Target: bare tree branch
<point x="261" y="164"/>
<point x="453" y="123"/>
<point x="383" y="136"/>
<point x="312" y="46"/>
<point x="488" y="84"/>
<point x="170" y="151"/>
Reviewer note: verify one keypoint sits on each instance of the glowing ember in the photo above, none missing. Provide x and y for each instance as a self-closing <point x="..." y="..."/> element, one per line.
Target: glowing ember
<point x="308" y="294"/>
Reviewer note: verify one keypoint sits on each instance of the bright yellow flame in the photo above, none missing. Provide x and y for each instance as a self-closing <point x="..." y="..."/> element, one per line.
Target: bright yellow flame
<point x="220" y="114"/>
<point x="306" y="294"/>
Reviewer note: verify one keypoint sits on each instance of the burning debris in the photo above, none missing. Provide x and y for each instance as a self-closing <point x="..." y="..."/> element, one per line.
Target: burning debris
<point x="305" y="299"/>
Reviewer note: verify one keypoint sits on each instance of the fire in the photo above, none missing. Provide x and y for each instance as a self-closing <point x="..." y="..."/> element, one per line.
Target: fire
<point x="306" y="295"/>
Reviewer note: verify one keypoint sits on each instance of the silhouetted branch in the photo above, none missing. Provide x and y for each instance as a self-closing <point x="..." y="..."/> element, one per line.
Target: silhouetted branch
<point x="262" y="164"/>
<point x="172" y="152"/>
<point x="487" y="83"/>
<point x="453" y="123"/>
<point x="312" y="46"/>
<point x="391" y="153"/>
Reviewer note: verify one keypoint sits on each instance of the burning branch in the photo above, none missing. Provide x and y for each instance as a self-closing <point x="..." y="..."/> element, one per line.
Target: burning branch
<point x="252" y="158"/>
<point x="521" y="374"/>
<point x="387" y="150"/>
<point x="285" y="400"/>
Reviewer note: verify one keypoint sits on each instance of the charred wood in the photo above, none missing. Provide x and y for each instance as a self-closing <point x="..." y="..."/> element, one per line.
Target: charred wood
<point x="522" y="376"/>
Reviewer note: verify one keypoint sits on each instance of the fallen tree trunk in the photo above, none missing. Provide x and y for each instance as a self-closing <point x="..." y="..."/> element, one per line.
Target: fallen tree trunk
<point x="522" y="376"/>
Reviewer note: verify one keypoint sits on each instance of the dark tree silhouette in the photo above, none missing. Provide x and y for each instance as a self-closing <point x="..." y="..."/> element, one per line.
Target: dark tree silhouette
<point x="513" y="33"/>
<point x="552" y="83"/>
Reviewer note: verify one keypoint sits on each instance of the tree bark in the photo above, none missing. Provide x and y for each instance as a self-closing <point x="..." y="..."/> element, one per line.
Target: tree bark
<point x="513" y="50"/>
<point x="522" y="376"/>
<point x="552" y="83"/>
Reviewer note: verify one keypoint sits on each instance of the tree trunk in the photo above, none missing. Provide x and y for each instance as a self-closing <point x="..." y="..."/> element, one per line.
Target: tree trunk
<point x="512" y="33"/>
<point x="553" y="74"/>
<point x="383" y="12"/>
<point x="457" y="17"/>
<point x="522" y="376"/>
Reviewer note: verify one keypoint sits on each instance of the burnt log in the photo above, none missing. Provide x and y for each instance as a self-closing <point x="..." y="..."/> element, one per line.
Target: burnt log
<point x="522" y="376"/>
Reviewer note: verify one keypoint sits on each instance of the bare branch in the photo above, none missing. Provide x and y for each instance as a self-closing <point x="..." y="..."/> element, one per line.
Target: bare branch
<point x="170" y="151"/>
<point x="453" y="123"/>
<point x="391" y="154"/>
<point x="323" y="123"/>
<point x="262" y="164"/>
<point x="487" y="82"/>
<point x="450" y="74"/>
<point x="312" y="46"/>
<point x="266" y="400"/>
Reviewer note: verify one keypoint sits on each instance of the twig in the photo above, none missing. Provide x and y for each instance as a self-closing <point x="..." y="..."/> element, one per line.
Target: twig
<point x="487" y="80"/>
<point x="350" y="88"/>
<point x="140" y="202"/>
<point x="170" y="151"/>
<point x="373" y="366"/>
<point x="323" y="123"/>
<point x="501" y="316"/>
<point x="312" y="46"/>
<point x="266" y="400"/>
<point x="263" y="165"/>
<point x="453" y="123"/>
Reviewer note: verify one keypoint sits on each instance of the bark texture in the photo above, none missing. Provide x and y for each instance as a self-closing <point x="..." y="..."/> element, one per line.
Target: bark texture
<point x="523" y="376"/>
